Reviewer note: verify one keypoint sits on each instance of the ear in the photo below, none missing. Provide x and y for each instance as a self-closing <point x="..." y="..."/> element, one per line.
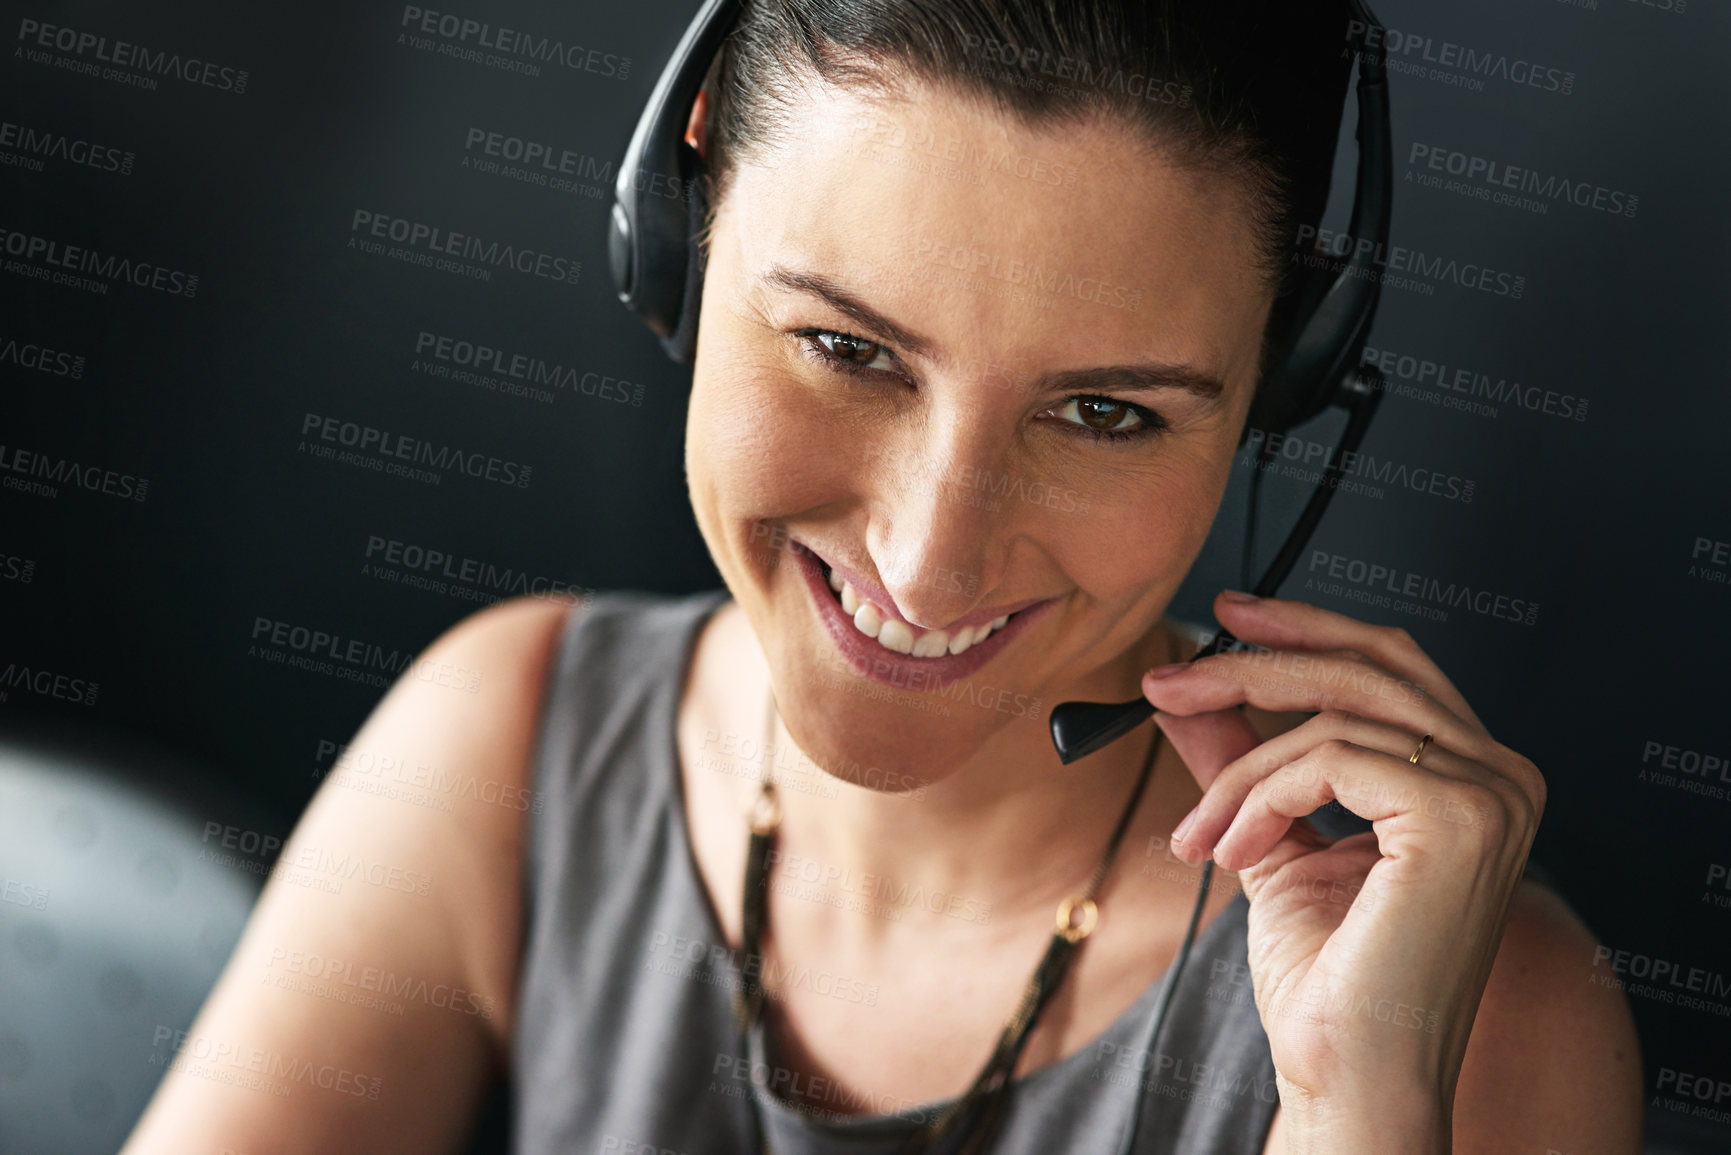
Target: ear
<point x="697" y="128"/>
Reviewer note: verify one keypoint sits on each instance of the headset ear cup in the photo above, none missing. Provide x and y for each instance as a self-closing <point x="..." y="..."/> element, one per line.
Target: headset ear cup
<point x="1284" y="400"/>
<point x="1269" y="406"/>
<point x="681" y="344"/>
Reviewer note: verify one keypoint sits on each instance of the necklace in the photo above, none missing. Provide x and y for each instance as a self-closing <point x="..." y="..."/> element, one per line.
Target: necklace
<point x="975" y="1116"/>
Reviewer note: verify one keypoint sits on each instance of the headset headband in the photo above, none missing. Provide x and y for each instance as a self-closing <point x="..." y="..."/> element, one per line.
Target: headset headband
<point x="660" y="204"/>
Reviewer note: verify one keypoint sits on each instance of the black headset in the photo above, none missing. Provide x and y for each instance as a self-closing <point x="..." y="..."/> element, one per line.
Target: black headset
<point x="1315" y="348"/>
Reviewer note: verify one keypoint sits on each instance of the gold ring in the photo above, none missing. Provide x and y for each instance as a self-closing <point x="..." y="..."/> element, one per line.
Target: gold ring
<point x="1090" y="915"/>
<point x="1422" y="743"/>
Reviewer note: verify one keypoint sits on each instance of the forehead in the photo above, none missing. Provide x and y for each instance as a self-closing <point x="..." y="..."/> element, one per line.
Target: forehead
<point x="1075" y="243"/>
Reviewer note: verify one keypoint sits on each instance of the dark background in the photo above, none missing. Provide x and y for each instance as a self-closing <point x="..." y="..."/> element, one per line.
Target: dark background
<point x="1596" y="521"/>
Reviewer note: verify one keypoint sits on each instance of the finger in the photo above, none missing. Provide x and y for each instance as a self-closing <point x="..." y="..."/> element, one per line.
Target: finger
<point x="1301" y="841"/>
<point x="1279" y="624"/>
<point x="1208" y="742"/>
<point x="1282" y="680"/>
<point x="1333" y="871"/>
<point x="1398" y="741"/>
<point x="1235" y="782"/>
<point x="1372" y="784"/>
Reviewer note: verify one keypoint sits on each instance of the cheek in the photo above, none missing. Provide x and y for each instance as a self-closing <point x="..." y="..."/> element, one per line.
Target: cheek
<point x="1146" y="527"/>
<point x="753" y="450"/>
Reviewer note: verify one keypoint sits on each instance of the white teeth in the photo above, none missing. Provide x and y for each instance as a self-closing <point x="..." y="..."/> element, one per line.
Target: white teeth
<point x="897" y="636"/>
<point x="900" y="637"/>
<point x="867" y="620"/>
<point x="932" y="644"/>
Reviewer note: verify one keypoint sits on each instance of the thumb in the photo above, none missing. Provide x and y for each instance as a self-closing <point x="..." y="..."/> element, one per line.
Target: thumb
<point x="1208" y="742"/>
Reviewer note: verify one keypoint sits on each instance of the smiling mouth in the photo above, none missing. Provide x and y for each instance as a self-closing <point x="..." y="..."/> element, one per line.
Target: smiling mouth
<point x="888" y="649"/>
<point x="895" y="635"/>
<point x="863" y="628"/>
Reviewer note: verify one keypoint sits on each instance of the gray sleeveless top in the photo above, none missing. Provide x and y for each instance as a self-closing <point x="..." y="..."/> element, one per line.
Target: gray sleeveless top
<point x="625" y="1039"/>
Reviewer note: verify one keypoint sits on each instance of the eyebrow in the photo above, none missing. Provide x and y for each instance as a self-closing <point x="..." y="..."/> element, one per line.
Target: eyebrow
<point x="843" y="301"/>
<point x="1143" y="376"/>
<point x="1132" y="377"/>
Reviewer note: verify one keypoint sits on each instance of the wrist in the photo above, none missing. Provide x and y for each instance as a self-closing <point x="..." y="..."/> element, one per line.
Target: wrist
<point x="1373" y="1120"/>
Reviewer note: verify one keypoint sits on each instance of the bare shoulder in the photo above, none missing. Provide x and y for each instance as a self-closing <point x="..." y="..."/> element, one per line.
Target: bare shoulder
<point x="453" y="740"/>
<point x="1553" y="1062"/>
<point x="371" y="995"/>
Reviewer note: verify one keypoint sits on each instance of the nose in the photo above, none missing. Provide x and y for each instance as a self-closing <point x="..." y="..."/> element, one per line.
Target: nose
<point x="940" y="532"/>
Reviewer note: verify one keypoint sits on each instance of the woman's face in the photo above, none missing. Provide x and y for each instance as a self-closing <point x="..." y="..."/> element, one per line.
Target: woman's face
<point x="978" y="369"/>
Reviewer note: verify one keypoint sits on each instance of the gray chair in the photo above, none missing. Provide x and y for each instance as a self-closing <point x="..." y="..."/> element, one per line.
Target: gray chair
<point x="126" y="876"/>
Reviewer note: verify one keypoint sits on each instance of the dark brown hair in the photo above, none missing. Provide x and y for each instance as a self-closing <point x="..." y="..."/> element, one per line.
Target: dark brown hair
<point x="1252" y="89"/>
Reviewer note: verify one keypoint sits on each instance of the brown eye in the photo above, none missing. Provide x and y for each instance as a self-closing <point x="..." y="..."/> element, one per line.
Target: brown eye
<point x="848" y="348"/>
<point x="847" y="353"/>
<point x="1101" y="412"/>
<point x="1107" y="419"/>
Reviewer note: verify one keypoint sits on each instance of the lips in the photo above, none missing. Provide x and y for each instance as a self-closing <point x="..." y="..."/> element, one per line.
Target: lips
<point x="869" y="657"/>
<point x="892" y="633"/>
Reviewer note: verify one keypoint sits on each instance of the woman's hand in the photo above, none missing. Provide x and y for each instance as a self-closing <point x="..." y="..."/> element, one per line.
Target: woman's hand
<point x="1368" y="956"/>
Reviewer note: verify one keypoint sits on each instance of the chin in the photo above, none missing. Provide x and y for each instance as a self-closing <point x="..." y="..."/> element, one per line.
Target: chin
<point x="894" y="742"/>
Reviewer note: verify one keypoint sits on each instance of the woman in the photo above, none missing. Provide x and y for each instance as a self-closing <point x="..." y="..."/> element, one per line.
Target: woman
<point x="981" y="325"/>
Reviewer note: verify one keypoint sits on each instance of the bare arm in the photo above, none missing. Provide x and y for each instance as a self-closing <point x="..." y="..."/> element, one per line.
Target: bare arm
<point x="1553" y="1063"/>
<point x="371" y="994"/>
